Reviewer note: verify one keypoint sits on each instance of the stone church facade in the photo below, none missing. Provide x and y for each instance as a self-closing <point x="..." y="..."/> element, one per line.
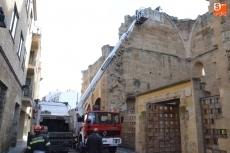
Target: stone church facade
<point x="165" y="59"/>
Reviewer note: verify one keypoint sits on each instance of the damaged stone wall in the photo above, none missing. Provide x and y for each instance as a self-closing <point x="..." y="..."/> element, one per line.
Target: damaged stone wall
<point x="203" y="52"/>
<point x="102" y="87"/>
<point x="220" y="27"/>
<point x="157" y="34"/>
<point x="154" y="55"/>
<point x="132" y="73"/>
<point x="165" y="50"/>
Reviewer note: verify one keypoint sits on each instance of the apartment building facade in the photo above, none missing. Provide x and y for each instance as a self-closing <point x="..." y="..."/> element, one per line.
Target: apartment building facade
<point x="52" y="96"/>
<point x="70" y="96"/>
<point x="20" y="69"/>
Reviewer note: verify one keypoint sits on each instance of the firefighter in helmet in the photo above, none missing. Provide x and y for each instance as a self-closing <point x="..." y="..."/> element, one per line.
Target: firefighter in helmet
<point x="39" y="142"/>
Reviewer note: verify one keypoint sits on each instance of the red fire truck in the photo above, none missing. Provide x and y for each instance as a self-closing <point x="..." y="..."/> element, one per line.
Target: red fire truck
<point x="108" y="125"/>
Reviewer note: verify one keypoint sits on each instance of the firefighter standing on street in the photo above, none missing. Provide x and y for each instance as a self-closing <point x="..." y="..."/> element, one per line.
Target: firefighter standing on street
<point x="45" y="131"/>
<point x="39" y="142"/>
<point x="94" y="142"/>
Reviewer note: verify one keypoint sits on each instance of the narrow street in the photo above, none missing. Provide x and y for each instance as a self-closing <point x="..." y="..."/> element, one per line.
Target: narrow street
<point x="151" y="76"/>
<point x="119" y="150"/>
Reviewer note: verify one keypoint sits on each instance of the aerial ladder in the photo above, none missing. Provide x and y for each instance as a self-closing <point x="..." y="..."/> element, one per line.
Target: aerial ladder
<point x="140" y="17"/>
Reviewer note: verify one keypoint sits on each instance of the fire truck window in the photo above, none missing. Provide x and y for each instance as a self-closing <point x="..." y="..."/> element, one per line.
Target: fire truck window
<point x="115" y="119"/>
<point x="104" y="118"/>
<point x="91" y="116"/>
<point x="85" y="118"/>
<point x="107" y="118"/>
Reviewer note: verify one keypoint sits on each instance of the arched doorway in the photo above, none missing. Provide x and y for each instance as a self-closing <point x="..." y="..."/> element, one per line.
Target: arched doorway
<point x="98" y="102"/>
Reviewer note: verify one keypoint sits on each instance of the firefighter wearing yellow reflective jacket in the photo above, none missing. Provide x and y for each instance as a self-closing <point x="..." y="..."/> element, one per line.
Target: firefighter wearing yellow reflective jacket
<point x="39" y="142"/>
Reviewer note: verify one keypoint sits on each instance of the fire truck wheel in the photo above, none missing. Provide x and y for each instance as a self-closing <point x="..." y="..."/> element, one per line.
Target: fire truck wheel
<point x="112" y="149"/>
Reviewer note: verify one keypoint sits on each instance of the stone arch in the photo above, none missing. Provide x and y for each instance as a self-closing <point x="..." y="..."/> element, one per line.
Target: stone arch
<point x="130" y="101"/>
<point x="200" y="36"/>
<point x="98" y="102"/>
<point x="158" y="36"/>
<point x="177" y="30"/>
<point x="198" y="20"/>
<point x="198" y="69"/>
<point x="89" y="107"/>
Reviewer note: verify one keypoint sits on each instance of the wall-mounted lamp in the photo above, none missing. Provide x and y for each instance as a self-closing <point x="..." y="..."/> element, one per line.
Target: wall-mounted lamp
<point x="2" y="18"/>
<point x="41" y="79"/>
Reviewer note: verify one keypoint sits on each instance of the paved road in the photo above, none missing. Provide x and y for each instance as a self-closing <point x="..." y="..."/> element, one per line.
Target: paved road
<point x="119" y="150"/>
<point x="125" y="150"/>
<point x="105" y="151"/>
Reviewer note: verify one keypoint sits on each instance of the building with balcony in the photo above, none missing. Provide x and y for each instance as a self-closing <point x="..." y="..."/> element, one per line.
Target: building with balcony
<point x="70" y="96"/>
<point x="52" y="96"/>
<point x="19" y="69"/>
<point x="32" y="80"/>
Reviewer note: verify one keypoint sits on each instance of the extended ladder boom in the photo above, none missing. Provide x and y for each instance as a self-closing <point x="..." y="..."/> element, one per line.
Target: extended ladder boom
<point x="140" y="18"/>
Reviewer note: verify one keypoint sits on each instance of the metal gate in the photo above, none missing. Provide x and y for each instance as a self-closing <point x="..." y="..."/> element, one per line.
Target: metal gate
<point x="163" y="125"/>
<point x="128" y="128"/>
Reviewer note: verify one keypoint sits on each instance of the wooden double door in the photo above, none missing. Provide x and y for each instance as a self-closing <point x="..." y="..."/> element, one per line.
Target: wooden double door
<point x="163" y="125"/>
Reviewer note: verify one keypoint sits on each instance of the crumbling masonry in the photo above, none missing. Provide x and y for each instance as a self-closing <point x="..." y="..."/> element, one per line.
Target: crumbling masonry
<point x="163" y="52"/>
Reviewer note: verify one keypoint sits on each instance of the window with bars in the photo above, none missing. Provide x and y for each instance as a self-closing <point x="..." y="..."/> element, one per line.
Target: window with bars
<point x="14" y="21"/>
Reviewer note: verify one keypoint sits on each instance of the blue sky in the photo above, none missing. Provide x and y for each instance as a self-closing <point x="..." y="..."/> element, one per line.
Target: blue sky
<point x="73" y="33"/>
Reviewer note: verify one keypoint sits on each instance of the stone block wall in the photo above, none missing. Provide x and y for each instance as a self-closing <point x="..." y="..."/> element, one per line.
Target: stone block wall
<point x="13" y="96"/>
<point x="134" y="71"/>
<point x="165" y="50"/>
<point x="187" y="93"/>
<point x="12" y="75"/>
<point x="10" y="44"/>
<point x="102" y="87"/>
<point x="161" y="51"/>
<point x="159" y="33"/>
<point x="220" y="27"/>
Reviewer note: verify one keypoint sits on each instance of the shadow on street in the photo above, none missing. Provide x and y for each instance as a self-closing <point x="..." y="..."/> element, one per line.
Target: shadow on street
<point x="104" y="151"/>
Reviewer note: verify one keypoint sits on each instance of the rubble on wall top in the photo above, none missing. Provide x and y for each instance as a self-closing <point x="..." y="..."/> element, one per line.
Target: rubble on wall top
<point x="187" y="19"/>
<point x="175" y="19"/>
<point x="129" y="19"/>
<point x="205" y="16"/>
